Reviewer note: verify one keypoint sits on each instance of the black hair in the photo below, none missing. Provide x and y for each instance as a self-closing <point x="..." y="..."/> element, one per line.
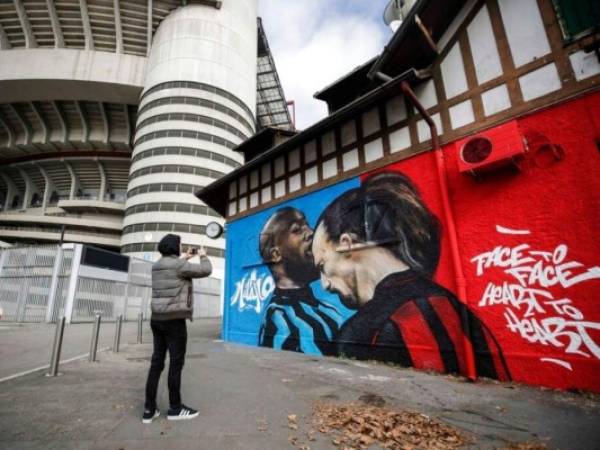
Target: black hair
<point x="387" y="210"/>
<point x="169" y="245"/>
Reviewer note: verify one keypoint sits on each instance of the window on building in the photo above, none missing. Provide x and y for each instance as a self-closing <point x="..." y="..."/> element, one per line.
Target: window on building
<point x="578" y="17"/>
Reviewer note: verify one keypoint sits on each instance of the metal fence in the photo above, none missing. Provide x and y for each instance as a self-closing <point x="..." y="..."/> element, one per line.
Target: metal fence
<point x="44" y="283"/>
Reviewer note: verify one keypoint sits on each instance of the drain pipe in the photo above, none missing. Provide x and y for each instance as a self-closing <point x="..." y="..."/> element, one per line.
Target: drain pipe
<point x="449" y="216"/>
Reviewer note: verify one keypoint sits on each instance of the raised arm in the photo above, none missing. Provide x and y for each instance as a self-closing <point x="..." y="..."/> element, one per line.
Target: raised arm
<point x="189" y="270"/>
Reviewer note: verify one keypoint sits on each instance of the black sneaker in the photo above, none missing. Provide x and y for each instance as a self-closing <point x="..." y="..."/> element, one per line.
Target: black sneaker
<point x="182" y="413"/>
<point x="150" y="415"/>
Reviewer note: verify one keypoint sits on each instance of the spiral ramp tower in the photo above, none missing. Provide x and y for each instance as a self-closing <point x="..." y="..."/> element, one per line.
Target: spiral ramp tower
<point x="197" y="106"/>
<point x="112" y="112"/>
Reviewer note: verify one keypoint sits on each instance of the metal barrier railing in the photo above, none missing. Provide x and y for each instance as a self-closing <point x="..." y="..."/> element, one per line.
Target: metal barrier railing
<point x="42" y="283"/>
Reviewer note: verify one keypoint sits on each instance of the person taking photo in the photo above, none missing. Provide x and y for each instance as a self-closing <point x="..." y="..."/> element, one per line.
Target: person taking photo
<point x="172" y="303"/>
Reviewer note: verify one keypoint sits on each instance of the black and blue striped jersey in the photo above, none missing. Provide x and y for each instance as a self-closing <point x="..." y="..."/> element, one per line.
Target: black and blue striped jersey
<point x="295" y="320"/>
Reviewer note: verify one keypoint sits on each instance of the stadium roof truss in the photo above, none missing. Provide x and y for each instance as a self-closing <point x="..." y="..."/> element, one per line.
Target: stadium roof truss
<point x="271" y="105"/>
<point x="124" y="27"/>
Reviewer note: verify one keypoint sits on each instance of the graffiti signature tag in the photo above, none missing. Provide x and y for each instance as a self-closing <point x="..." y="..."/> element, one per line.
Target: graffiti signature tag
<point x="251" y="292"/>
<point x="531" y="309"/>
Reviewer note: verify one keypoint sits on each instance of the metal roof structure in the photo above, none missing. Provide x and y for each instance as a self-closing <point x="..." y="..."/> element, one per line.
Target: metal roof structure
<point x="67" y="131"/>
<point x="271" y="105"/>
<point x="104" y="25"/>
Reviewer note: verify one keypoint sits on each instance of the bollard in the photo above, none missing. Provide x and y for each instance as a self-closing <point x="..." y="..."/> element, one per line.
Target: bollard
<point x="95" y="334"/>
<point x="56" y="348"/>
<point x="139" y="329"/>
<point x="118" y="333"/>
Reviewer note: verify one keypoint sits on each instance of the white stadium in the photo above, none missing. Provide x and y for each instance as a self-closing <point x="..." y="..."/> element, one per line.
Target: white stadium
<point x="114" y="112"/>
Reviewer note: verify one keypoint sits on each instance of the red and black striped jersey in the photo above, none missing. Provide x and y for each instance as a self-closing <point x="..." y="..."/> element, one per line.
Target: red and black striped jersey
<point x="414" y="322"/>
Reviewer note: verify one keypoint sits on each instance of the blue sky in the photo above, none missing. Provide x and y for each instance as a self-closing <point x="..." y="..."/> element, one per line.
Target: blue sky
<point x="315" y="42"/>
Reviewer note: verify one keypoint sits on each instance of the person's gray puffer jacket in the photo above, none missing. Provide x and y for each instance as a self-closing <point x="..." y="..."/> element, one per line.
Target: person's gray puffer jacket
<point x="172" y="289"/>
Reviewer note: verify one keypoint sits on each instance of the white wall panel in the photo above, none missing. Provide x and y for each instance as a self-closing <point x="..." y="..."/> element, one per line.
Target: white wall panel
<point x="453" y="73"/>
<point x="395" y="110"/>
<point x="295" y="183"/>
<point x="265" y="195"/>
<point x="584" y="64"/>
<point x="495" y="100"/>
<point x="373" y="150"/>
<point x="483" y="47"/>
<point x="311" y="176"/>
<point x="348" y="133"/>
<point x="400" y="139"/>
<point x="540" y="82"/>
<point x="461" y="114"/>
<point x="426" y="94"/>
<point x="328" y="143"/>
<point x="350" y="159"/>
<point x="330" y="168"/>
<point x="524" y="30"/>
<point x="370" y="122"/>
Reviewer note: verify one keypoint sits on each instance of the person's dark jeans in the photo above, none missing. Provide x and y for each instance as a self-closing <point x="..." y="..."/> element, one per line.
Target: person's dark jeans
<point x="168" y="335"/>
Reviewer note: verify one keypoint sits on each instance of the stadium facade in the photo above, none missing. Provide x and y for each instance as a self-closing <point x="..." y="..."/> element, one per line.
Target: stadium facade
<point x="113" y="113"/>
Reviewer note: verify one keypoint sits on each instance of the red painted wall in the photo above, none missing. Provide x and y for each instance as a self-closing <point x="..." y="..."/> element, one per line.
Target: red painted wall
<point x="552" y="339"/>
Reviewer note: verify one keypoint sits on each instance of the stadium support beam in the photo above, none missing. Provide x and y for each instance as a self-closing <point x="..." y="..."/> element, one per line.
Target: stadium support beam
<point x="63" y="122"/>
<point x="105" y="122"/>
<point x="40" y="118"/>
<point x="48" y="187"/>
<point x="59" y="41"/>
<point x="4" y="42"/>
<point x="103" y="181"/>
<point x="23" y="122"/>
<point x="149" y="28"/>
<point x="30" y="41"/>
<point x="30" y="189"/>
<point x="74" y="181"/>
<point x="10" y="132"/>
<point x="85" y="129"/>
<point x="118" y="29"/>
<point x="11" y="190"/>
<point x="127" y="124"/>
<point x="87" y="28"/>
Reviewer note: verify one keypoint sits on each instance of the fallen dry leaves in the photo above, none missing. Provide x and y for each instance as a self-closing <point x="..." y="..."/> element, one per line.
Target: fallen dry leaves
<point x="527" y="446"/>
<point x="356" y="426"/>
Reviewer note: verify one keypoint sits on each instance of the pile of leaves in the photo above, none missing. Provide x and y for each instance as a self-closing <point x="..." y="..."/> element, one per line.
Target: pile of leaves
<point x="527" y="446"/>
<point x="357" y="426"/>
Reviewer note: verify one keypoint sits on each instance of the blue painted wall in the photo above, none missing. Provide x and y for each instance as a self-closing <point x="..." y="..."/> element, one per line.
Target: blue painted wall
<point x="248" y="281"/>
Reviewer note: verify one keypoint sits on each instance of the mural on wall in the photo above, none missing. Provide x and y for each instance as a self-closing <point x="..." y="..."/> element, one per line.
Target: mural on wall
<point x="377" y="246"/>
<point x="377" y="279"/>
<point x="531" y="309"/>
<point x="294" y="318"/>
<point x="374" y="249"/>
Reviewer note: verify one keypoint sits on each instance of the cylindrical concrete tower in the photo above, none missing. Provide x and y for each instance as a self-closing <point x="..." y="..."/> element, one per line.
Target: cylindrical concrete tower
<point x="198" y="104"/>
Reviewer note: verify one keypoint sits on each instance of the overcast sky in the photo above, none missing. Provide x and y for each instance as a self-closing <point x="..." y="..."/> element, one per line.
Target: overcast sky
<point x="315" y="42"/>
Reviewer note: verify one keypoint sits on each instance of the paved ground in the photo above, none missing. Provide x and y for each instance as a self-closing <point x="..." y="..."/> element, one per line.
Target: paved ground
<point x="245" y="394"/>
<point x="28" y="346"/>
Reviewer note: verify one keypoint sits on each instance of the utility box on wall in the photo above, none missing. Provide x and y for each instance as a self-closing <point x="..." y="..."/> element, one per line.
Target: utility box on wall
<point x="491" y="149"/>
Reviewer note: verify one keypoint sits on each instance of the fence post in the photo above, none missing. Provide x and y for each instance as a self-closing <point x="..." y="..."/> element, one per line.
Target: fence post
<point x="3" y="257"/>
<point x="74" y="277"/>
<point x="95" y="334"/>
<point x="139" y="328"/>
<point x="118" y="325"/>
<point x="54" y="284"/>
<point x="56" y="348"/>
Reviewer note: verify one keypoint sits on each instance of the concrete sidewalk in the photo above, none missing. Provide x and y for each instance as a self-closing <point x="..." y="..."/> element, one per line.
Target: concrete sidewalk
<point x="28" y="346"/>
<point x="245" y="394"/>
